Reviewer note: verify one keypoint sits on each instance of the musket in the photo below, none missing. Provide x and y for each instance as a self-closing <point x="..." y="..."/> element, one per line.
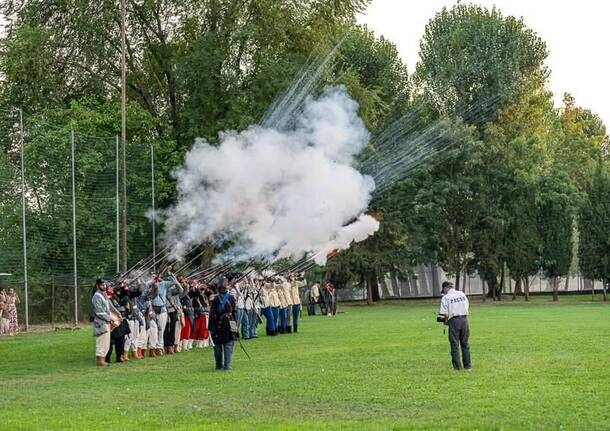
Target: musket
<point x="242" y="347"/>
<point x="221" y="270"/>
<point x="252" y="270"/>
<point x="169" y="261"/>
<point x="294" y="267"/>
<point x="192" y="260"/>
<point x="144" y="261"/>
<point x="313" y="263"/>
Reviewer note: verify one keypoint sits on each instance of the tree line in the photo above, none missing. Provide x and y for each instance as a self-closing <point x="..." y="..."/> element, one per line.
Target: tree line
<point x="523" y="185"/>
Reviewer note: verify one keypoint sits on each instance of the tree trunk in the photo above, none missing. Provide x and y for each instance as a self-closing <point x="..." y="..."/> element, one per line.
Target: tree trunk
<point x="493" y="288"/>
<point x="502" y="283"/>
<point x="369" y="293"/>
<point x="527" y="288"/>
<point x="373" y="288"/>
<point x="555" y="285"/>
<point x="457" y="280"/>
<point x="567" y="282"/>
<point x="464" y="281"/>
<point x="605" y="284"/>
<point x="517" y="290"/>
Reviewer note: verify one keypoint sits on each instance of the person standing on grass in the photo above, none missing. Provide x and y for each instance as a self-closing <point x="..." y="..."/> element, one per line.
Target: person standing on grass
<point x="314" y="297"/>
<point x="454" y="306"/>
<point x="329" y="292"/>
<point x="288" y="302"/>
<point x="3" y="313"/>
<point x="267" y="306"/>
<point x="223" y="327"/>
<point x="296" y="282"/>
<point x="11" y="309"/>
<point x="101" y="322"/>
<point x="174" y="315"/>
<point x="119" y="334"/>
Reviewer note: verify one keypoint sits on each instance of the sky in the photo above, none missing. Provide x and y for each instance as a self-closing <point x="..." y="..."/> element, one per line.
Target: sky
<point x="577" y="36"/>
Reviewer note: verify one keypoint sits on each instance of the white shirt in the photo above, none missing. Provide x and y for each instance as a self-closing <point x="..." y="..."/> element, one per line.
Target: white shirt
<point x="315" y="291"/>
<point x="454" y="303"/>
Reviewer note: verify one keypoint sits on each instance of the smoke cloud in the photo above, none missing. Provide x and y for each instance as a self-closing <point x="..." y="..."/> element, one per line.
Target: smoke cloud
<point x="280" y="193"/>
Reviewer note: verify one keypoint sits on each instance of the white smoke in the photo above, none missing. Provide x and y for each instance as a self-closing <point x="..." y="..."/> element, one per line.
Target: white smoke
<point x="272" y="192"/>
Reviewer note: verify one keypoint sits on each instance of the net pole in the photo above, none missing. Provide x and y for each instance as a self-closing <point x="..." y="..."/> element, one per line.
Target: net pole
<point x="118" y="210"/>
<point x="74" y="231"/>
<point x="152" y="186"/>
<point x="25" y="246"/>
<point x="124" y="134"/>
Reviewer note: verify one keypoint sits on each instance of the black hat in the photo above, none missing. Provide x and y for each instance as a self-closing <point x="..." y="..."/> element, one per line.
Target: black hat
<point x="99" y="281"/>
<point x="447" y="284"/>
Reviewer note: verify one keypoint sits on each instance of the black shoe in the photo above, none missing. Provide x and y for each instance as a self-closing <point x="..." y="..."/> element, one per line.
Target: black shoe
<point x="296" y="328"/>
<point x="289" y="329"/>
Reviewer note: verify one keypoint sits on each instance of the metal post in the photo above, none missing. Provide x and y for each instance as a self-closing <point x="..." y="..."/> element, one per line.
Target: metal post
<point x="74" y="231"/>
<point x="124" y="133"/>
<point x="154" y="217"/>
<point x="118" y="210"/>
<point x="25" y="247"/>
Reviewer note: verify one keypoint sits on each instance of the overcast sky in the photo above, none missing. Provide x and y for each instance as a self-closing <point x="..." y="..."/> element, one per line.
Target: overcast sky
<point x="577" y="34"/>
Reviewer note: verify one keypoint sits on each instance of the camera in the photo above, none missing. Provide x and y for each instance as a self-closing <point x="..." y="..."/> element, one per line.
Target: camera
<point x="441" y="319"/>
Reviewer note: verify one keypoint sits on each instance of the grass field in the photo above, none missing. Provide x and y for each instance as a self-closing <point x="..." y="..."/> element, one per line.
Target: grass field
<point x="536" y="366"/>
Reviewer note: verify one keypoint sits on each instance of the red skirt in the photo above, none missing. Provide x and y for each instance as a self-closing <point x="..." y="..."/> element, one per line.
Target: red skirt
<point x="185" y="333"/>
<point x="201" y="328"/>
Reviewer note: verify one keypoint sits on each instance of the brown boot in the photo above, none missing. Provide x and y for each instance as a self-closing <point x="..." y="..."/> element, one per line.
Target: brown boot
<point x="160" y="352"/>
<point x="135" y="355"/>
<point x="141" y="353"/>
<point x="153" y="353"/>
<point x="100" y="361"/>
<point x="125" y="358"/>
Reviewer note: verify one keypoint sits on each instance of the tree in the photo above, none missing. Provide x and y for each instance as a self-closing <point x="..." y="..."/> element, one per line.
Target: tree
<point x="556" y="205"/>
<point x="473" y="57"/>
<point x="523" y="240"/>
<point x="439" y="203"/>
<point x="594" y="229"/>
<point x="582" y="139"/>
<point x="489" y="70"/>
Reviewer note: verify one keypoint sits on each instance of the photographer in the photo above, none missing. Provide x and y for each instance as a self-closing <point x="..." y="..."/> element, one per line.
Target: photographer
<point x="454" y="312"/>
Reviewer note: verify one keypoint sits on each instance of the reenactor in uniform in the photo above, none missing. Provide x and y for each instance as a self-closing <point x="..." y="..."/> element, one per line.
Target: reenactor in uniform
<point x="104" y="314"/>
<point x="265" y="297"/>
<point x="283" y="323"/>
<point x="274" y="300"/>
<point x="295" y="285"/>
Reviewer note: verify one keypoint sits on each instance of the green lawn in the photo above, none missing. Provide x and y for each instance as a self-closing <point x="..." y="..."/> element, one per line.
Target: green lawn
<point x="536" y="366"/>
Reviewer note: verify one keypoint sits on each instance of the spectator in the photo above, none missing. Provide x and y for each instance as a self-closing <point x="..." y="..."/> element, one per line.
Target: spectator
<point x="11" y="310"/>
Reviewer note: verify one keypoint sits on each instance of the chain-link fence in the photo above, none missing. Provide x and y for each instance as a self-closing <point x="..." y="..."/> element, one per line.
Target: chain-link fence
<point x="60" y="203"/>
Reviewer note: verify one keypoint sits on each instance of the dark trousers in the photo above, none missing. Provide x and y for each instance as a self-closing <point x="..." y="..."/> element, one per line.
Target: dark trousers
<point x="223" y="351"/>
<point x="117" y="344"/>
<point x="268" y="313"/>
<point x="458" y="338"/>
<point x="296" y="313"/>
<point x="169" y="336"/>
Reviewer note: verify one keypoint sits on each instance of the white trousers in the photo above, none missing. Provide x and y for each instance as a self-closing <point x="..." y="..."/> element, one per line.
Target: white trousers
<point x="152" y="335"/>
<point x="161" y="322"/>
<point x="102" y="342"/>
<point x="178" y="330"/>
<point x="142" y="337"/>
<point x="134" y="332"/>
